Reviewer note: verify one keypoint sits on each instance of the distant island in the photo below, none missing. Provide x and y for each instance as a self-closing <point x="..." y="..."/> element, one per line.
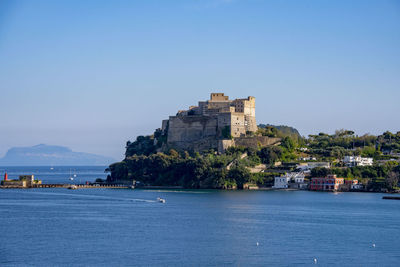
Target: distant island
<point x="48" y="155"/>
<point x="217" y="144"/>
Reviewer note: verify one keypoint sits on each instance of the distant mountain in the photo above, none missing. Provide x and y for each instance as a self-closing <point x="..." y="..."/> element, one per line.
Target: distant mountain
<point x="45" y="155"/>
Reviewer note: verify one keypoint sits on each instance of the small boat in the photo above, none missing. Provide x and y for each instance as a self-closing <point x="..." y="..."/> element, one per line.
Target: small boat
<point x="161" y="200"/>
<point x="72" y="186"/>
<point x="70" y="175"/>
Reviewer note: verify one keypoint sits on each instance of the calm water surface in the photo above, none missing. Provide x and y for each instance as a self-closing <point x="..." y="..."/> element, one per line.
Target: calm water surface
<point x="121" y="227"/>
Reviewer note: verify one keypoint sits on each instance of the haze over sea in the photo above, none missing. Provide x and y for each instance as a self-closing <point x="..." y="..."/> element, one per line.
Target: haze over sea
<point x="114" y="227"/>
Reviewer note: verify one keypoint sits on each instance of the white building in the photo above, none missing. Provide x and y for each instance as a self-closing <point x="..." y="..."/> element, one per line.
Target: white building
<point x="282" y="182"/>
<point x="292" y="180"/>
<point x="352" y="161"/>
<point x="307" y="158"/>
<point x="299" y="179"/>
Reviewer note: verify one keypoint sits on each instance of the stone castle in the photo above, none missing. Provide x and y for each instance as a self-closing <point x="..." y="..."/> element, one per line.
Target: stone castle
<point x="216" y="123"/>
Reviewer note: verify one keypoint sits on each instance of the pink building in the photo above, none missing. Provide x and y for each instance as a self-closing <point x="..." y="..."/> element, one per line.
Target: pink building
<point x="329" y="183"/>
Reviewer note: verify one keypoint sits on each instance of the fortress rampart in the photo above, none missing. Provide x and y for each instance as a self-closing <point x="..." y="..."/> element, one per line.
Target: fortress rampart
<point x="215" y="123"/>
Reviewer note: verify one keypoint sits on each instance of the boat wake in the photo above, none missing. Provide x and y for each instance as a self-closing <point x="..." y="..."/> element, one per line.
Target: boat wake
<point x="90" y="196"/>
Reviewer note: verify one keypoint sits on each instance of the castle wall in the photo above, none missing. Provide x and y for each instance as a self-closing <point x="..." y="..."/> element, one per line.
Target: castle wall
<point x="225" y="144"/>
<point x="224" y="119"/>
<point x="217" y="107"/>
<point x="164" y="126"/>
<point x="253" y="142"/>
<point x="200" y="145"/>
<point x="191" y="128"/>
<point x="256" y="141"/>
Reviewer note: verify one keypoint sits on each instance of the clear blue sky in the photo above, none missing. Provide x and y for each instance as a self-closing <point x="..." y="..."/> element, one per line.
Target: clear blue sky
<point x="91" y="75"/>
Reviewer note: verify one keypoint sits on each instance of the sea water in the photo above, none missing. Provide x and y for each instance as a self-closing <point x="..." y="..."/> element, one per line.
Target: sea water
<point x="57" y="174"/>
<point x="123" y="227"/>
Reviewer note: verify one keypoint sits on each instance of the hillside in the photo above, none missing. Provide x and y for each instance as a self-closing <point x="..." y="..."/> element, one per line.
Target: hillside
<point x="231" y="169"/>
<point x="283" y="129"/>
<point x="147" y="163"/>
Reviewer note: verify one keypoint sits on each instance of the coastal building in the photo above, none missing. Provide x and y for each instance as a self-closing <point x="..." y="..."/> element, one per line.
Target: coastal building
<point x="293" y="180"/>
<point x="357" y="187"/>
<point x="298" y="182"/>
<point x="352" y="161"/>
<point x="282" y="182"/>
<point x="329" y="183"/>
<point x="349" y="185"/>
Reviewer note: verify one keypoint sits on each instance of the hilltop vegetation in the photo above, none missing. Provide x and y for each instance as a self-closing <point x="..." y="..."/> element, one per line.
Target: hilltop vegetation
<point x="198" y="170"/>
<point x="282" y="130"/>
<point x="207" y="170"/>
<point x="345" y="143"/>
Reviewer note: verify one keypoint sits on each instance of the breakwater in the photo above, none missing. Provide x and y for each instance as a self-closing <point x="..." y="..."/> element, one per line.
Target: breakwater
<point x="77" y="186"/>
<point x="391" y="197"/>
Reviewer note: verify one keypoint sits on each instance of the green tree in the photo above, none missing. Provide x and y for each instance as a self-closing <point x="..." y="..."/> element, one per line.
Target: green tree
<point x="270" y="154"/>
<point x="392" y="180"/>
<point x="320" y="172"/>
<point x="240" y="175"/>
<point x="288" y="143"/>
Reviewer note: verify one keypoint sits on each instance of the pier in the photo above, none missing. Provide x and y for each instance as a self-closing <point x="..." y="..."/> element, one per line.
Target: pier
<point x="78" y="186"/>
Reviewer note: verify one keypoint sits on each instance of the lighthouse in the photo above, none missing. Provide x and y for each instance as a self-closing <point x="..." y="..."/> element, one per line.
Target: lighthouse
<point x="5" y="176"/>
